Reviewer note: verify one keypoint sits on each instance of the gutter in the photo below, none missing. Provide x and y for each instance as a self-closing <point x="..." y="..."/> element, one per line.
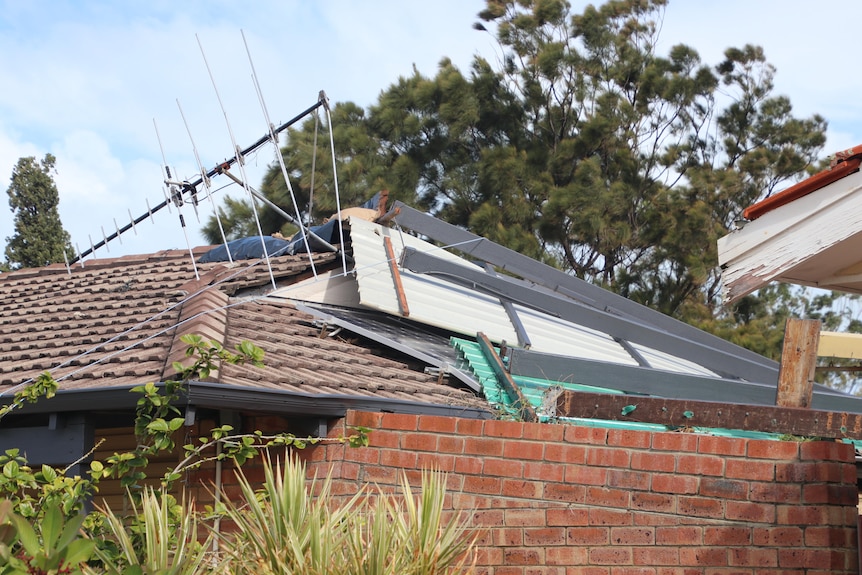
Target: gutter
<point x="239" y="398"/>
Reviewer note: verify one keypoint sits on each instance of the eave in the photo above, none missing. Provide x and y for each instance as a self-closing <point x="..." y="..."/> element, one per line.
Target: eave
<point x="813" y="239"/>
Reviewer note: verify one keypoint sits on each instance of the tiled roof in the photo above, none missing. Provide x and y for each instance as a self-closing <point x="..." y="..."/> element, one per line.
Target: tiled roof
<point x="117" y="322"/>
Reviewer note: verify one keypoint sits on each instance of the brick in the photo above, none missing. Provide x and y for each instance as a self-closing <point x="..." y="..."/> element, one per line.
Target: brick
<point x="490" y="447"/>
<point x="507" y="537"/>
<point x="810" y="515"/>
<point x="753" y="557"/>
<point x="363" y="455"/>
<point x="795" y="472"/>
<point x="487" y="518"/>
<point x="586" y="475"/>
<point x="436" y="461"/>
<point x="523" y="489"/>
<point x="656" y="556"/>
<point x="561" y="453"/>
<point x="581" y="434"/>
<point x="746" y="511"/>
<point x="400" y="421"/>
<point x="674" y="442"/>
<point x="667" y="483"/>
<point x="363" y="419"/>
<point x="500" y="428"/>
<point x="605" y="497"/>
<point x="545" y="536"/>
<point x="514" y="449"/>
<point x="565" y="492"/>
<point x="767" y="449"/>
<point x="703" y="556"/>
<point x="628" y="479"/>
<point x="777" y="536"/>
<point x="419" y="441"/>
<point x="775" y="492"/>
<point x="567" y="516"/>
<point x="610" y="556"/>
<point x="827" y="451"/>
<point x="380" y="438"/>
<point x="469" y="427"/>
<point x="723" y="488"/>
<point x="715" y="445"/>
<point x="700" y="507"/>
<point x="632" y="571"/>
<point x="830" y="537"/>
<point x="830" y="494"/>
<point x="699" y="464"/>
<point x="608" y="457"/>
<point x="437" y="424"/>
<point x="486" y="485"/>
<point x="503" y="468"/>
<point x="656" y="519"/>
<point x="544" y="432"/>
<point x="398" y="458"/>
<point x="749" y="469"/>
<point x="652" y="461"/>
<point x="525" y="517"/>
<point x="566" y="556"/>
<point x="656" y="502"/>
<point x="449" y="444"/>
<point x="522" y="556"/>
<point x="629" y="438"/>
<point x="486" y="555"/>
<point x="727" y="536"/>
<point x="544" y="471"/>
<point x="582" y="536"/>
<point x="469" y="465"/>
<point x="633" y="535"/>
<point x="610" y="517"/>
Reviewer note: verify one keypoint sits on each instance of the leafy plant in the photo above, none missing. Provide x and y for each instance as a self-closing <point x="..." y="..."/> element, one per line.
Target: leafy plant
<point x="54" y="546"/>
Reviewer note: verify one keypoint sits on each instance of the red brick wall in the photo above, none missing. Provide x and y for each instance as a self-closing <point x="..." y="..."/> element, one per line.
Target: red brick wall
<point x="563" y="499"/>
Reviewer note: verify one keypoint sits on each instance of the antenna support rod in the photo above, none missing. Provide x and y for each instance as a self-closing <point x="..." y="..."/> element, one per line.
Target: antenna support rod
<point x="193" y="185"/>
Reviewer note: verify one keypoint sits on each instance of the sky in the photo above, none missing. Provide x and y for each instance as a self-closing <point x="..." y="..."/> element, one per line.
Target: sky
<point x="93" y="82"/>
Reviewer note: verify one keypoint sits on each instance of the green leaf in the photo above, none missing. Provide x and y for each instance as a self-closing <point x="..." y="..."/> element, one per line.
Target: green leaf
<point x="688" y="414"/>
<point x="628" y="409"/>
<point x="26" y="535"/>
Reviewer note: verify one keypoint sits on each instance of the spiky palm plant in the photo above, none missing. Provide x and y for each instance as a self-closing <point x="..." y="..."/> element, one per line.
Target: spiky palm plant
<point x="283" y="529"/>
<point x="160" y="539"/>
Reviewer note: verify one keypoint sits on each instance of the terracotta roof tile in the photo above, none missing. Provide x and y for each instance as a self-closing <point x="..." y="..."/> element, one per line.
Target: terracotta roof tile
<point x="118" y="322"/>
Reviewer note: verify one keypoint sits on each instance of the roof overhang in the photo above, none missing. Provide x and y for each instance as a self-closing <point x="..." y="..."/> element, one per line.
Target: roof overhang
<point x="809" y="234"/>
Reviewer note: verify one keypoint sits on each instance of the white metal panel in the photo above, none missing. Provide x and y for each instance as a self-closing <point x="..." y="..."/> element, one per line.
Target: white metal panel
<point x="443" y="304"/>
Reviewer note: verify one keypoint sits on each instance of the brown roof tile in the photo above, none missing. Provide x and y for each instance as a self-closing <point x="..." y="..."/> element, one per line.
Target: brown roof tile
<point x="118" y="322"/>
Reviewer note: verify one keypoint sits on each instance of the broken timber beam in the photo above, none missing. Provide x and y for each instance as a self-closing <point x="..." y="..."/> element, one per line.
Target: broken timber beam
<point x="522" y="404"/>
<point x="798" y="363"/>
<point x="683" y="413"/>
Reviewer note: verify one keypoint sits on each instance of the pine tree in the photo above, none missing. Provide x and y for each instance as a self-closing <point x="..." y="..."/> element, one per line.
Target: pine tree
<point x="39" y="237"/>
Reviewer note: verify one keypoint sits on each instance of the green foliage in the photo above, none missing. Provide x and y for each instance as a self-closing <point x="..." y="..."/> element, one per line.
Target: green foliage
<point x="39" y="237"/>
<point x="162" y="538"/>
<point x="52" y="546"/>
<point x="283" y="529"/>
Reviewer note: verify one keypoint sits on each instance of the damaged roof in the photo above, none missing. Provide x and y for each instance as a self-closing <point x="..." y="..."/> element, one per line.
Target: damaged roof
<point x="116" y="323"/>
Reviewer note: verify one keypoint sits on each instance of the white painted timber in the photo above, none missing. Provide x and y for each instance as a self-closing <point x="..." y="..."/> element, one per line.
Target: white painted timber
<point x="815" y="240"/>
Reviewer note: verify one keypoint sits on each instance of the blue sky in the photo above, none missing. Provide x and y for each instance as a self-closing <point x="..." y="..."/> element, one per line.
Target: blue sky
<point x="86" y="80"/>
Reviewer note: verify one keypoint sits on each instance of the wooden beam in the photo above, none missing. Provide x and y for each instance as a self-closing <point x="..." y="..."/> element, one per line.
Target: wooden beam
<point x="396" y="277"/>
<point x="683" y="413"/>
<point x="798" y="362"/>
<point x="519" y="399"/>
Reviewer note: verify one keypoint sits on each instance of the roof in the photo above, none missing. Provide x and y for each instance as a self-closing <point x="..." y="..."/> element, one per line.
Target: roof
<point x="809" y="234"/>
<point x="115" y="323"/>
<point x="372" y="326"/>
